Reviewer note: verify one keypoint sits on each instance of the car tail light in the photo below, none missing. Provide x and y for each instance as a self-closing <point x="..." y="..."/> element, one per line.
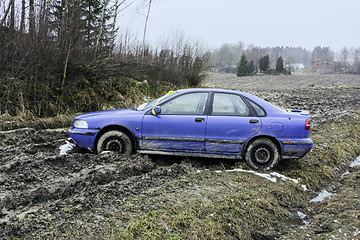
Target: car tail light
<point x="308" y="124"/>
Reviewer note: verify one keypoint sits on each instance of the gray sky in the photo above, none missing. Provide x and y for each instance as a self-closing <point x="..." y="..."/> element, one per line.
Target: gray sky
<point x="304" y="23"/>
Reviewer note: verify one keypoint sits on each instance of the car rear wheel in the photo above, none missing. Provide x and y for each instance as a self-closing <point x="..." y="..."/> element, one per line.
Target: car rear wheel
<point x="115" y="141"/>
<point x="262" y="154"/>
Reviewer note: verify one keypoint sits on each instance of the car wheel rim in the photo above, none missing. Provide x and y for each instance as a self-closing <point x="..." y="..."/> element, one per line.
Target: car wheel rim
<point x="114" y="145"/>
<point x="262" y="155"/>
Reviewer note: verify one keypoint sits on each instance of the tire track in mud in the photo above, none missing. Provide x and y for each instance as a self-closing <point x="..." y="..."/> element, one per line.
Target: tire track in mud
<point x="33" y="174"/>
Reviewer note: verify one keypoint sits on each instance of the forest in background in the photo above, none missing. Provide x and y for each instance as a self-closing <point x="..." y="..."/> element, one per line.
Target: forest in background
<point x="227" y="57"/>
<point x="62" y="56"/>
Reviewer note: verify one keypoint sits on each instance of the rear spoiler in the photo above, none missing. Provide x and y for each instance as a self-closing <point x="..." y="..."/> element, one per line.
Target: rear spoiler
<point x="301" y="112"/>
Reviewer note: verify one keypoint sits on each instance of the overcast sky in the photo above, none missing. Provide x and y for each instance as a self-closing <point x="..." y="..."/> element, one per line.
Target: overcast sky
<point x="304" y="23"/>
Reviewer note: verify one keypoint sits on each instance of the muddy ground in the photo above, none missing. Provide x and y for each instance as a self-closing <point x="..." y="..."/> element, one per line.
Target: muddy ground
<point x="45" y="194"/>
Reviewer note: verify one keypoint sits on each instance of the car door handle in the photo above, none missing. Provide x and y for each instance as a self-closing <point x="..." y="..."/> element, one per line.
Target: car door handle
<point x="254" y="121"/>
<point x="200" y="120"/>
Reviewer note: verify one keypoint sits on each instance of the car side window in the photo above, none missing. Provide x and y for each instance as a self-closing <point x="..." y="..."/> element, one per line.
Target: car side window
<point x="188" y="104"/>
<point x="229" y="105"/>
<point x="259" y="110"/>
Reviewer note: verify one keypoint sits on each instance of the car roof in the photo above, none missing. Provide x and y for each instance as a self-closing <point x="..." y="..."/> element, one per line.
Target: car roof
<point x="265" y="104"/>
<point x="209" y="90"/>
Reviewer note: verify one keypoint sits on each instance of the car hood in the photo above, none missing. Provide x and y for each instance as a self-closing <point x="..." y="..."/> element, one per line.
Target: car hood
<point x="106" y="114"/>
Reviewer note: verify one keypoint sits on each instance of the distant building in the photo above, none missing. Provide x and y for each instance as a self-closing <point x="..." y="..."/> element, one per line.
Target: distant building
<point x="323" y="66"/>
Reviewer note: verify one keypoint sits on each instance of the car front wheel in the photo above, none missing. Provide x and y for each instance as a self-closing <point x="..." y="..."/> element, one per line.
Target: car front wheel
<point x="115" y="141"/>
<point x="262" y="154"/>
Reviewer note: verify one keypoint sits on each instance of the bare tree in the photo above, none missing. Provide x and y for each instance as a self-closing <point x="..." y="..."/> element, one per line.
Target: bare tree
<point x="23" y="13"/>
<point x="145" y="28"/>
<point x="6" y="12"/>
<point x="117" y="10"/>
<point x="344" y="57"/>
<point x="31" y="19"/>
<point x="102" y="26"/>
<point x="12" y="14"/>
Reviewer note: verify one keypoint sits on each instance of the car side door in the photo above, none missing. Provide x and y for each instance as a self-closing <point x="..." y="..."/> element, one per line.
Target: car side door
<point x="180" y="125"/>
<point x="230" y="124"/>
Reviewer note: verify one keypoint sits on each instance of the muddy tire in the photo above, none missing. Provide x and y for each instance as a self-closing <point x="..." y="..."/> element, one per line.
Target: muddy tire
<point x="115" y="141"/>
<point x="262" y="154"/>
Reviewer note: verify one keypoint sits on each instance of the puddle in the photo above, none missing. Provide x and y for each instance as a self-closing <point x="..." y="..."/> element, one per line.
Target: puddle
<point x="291" y="223"/>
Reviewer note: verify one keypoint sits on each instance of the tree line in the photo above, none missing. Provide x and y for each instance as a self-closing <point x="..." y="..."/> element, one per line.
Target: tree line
<point x="228" y="57"/>
<point x="66" y="56"/>
<point x="245" y="68"/>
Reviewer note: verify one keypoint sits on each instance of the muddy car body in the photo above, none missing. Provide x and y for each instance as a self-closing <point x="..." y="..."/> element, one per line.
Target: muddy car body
<point x="200" y="122"/>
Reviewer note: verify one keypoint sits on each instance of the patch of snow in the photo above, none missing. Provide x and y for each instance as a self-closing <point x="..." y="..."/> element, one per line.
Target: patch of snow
<point x="357" y="232"/>
<point x="66" y="147"/>
<point x="302" y="216"/>
<point x="345" y="173"/>
<point x="105" y="152"/>
<point x="322" y="195"/>
<point x="271" y="177"/>
<point x="355" y="163"/>
<point x="283" y="177"/>
<point x="205" y="170"/>
<point x="264" y="175"/>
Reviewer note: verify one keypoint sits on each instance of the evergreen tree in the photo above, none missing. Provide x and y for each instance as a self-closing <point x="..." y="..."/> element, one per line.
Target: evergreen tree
<point x="280" y="65"/>
<point x="264" y="63"/>
<point x="242" y="69"/>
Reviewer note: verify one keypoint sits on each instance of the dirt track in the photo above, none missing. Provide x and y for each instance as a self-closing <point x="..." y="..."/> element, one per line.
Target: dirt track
<point x="35" y="180"/>
<point x="34" y="176"/>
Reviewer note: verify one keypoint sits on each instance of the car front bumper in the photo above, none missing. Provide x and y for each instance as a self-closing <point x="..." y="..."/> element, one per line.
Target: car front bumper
<point x="83" y="138"/>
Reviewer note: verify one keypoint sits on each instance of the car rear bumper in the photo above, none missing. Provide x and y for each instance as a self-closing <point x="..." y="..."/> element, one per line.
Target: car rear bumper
<point x="83" y="138"/>
<point x="296" y="148"/>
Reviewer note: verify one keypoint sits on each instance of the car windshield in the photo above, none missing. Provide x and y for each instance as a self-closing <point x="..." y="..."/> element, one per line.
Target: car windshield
<point x="153" y="102"/>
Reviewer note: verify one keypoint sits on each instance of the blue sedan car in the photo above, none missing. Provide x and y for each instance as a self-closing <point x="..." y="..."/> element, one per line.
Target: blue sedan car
<point x="200" y="122"/>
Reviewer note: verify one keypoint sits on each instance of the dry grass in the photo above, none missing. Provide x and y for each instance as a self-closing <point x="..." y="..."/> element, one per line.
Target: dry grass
<point x="8" y="122"/>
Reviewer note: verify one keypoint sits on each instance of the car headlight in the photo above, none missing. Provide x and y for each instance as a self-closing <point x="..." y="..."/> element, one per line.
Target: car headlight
<point x="80" y="124"/>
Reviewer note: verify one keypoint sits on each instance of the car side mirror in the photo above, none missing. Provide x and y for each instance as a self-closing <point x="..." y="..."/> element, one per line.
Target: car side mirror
<point x="156" y="110"/>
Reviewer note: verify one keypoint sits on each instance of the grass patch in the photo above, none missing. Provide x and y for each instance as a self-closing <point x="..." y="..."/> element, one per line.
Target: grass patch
<point x="28" y="120"/>
<point x="238" y="215"/>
